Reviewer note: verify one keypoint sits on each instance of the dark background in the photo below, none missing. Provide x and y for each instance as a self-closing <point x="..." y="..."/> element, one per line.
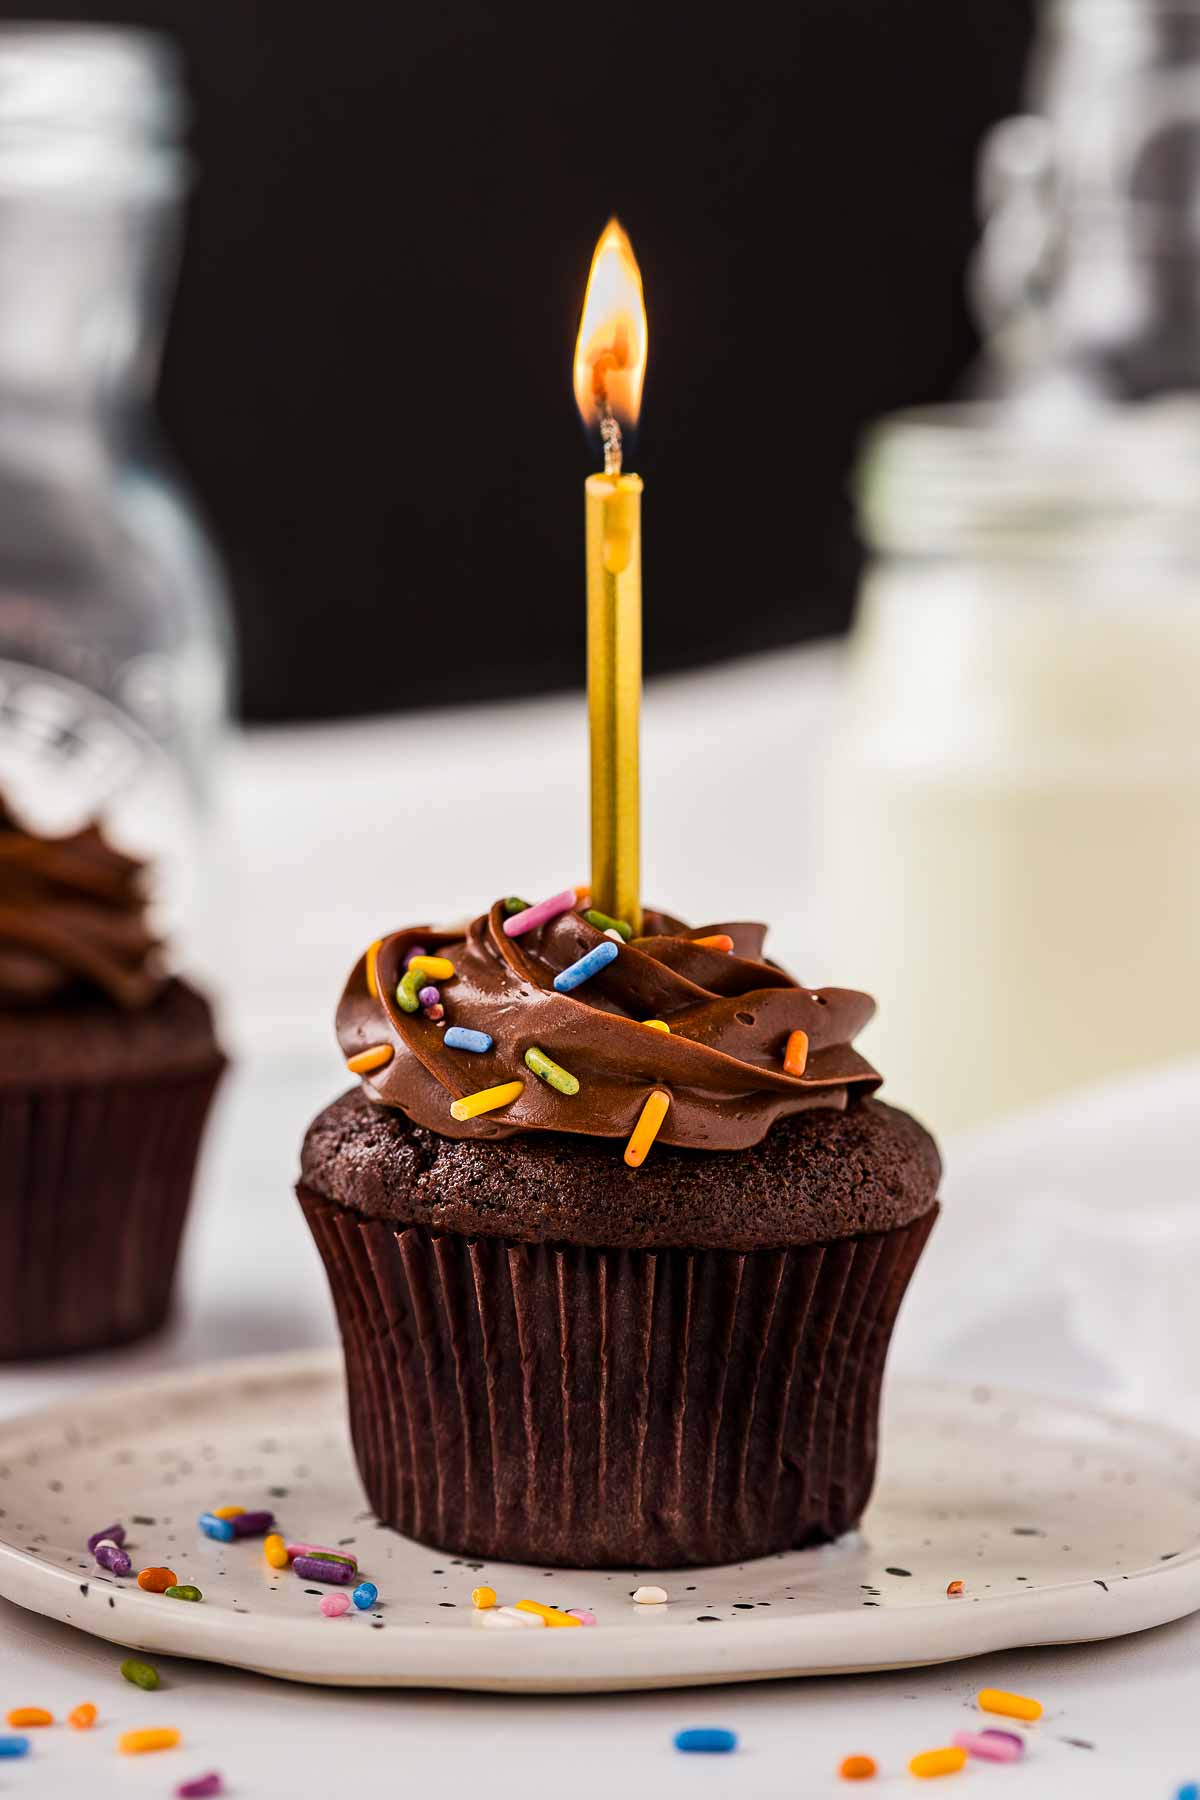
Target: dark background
<point x="368" y="373"/>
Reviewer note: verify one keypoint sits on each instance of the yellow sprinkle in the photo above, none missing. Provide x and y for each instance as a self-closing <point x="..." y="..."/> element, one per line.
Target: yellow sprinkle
<point x="1013" y="1706"/>
<point x="228" y="1512"/>
<point x="372" y="973"/>
<point x="938" y="1762"/>
<point x="486" y="1100"/>
<point x="436" y="967"/>
<point x="647" y="1128"/>
<point x="275" y="1551"/>
<point x="376" y="1058"/>
<point x="657" y="1024"/>
<point x="483" y="1597"/>
<point x="546" y="1614"/>
<point x="136" y="1743"/>
<point x="795" y="1057"/>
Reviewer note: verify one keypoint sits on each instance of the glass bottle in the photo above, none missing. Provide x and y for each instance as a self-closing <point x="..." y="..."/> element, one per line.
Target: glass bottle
<point x="115" y="638"/>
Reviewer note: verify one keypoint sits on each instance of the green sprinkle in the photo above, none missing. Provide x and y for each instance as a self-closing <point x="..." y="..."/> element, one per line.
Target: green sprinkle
<point x="184" y="1591"/>
<point x="550" y="1072"/>
<point x="602" y="922"/>
<point x="513" y="903"/>
<point x="141" y="1674"/>
<point x="410" y="986"/>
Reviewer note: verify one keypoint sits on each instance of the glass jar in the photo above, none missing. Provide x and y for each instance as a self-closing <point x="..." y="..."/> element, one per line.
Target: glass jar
<point x="115" y="642"/>
<point x="1015" y="804"/>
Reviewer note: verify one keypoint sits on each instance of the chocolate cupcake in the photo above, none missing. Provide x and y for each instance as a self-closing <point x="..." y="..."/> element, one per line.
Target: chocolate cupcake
<point x="107" y="1071"/>
<point x="555" y="1355"/>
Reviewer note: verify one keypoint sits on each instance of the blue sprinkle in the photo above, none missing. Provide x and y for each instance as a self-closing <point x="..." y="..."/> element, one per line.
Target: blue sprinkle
<point x="212" y="1527"/>
<point x="459" y="1038"/>
<point x="1189" y="1791"/>
<point x="365" y="1595"/>
<point x="712" y="1740"/>
<point x="14" y="1746"/>
<point x="586" y="967"/>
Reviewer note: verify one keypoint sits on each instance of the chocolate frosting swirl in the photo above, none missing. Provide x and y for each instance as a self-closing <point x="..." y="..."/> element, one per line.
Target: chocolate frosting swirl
<point x="72" y="920"/>
<point x="730" y="1015"/>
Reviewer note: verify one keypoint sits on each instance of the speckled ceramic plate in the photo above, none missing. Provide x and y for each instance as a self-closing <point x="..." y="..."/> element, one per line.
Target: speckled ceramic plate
<point x="1063" y="1523"/>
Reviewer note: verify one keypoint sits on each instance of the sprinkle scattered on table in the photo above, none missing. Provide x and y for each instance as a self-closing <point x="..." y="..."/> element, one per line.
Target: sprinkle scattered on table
<point x="82" y="1718"/>
<point x="1012" y="1706"/>
<point x="14" y="1746"/>
<point x="334" y="1605"/>
<point x="483" y="1597"/>
<point x="139" y="1743"/>
<point x="956" y="1589"/>
<point x="649" y="1596"/>
<point x="857" y="1768"/>
<point x="141" y="1674"/>
<point x="706" y="1740"/>
<point x="947" y="1760"/>
<point x="21" y="1717"/>
<point x="156" y="1581"/>
<point x="991" y="1746"/>
<point x="201" y="1787"/>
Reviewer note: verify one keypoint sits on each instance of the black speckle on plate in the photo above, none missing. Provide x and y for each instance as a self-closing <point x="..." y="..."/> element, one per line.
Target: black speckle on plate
<point x="111" y="1600"/>
<point x="707" y="1619"/>
<point x="316" y="1591"/>
<point x="744" y="1605"/>
<point x="448" y="1603"/>
<point x="83" y="1588"/>
<point x="1096" y="1582"/>
<point x="142" y="1519"/>
<point x="278" y="1493"/>
<point x="1077" y="1743"/>
<point x="897" y="1571"/>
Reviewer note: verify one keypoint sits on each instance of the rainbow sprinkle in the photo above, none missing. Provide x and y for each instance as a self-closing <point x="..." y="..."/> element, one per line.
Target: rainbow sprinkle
<point x="551" y="1072"/>
<point x="596" y="959"/>
<point x="541" y="914"/>
<point x="458" y="1037"/>
<point x="486" y="1100"/>
<point x="795" y="1057"/>
<point x="647" y="1128"/>
<point x="376" y="1058"/>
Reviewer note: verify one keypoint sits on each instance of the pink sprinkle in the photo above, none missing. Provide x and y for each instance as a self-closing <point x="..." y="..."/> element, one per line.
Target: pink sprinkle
<point x="417" y="950"/>
<point x="436" y="1012"/>
<point x="541" y="914"/>
<point x="334" y="1605"/>
<point x="429" y="996"/>
<point x="581" y="1613"/>
<point x="202" y="1788"/>
<point x="992" y="1746"/>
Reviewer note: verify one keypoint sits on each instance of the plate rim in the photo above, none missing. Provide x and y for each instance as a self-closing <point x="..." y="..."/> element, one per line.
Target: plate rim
<point x="779" y="1647"/>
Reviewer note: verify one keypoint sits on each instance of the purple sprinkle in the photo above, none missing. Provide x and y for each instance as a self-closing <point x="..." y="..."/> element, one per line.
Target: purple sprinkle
<point x="113" y="1558"/>
<point x="115" y="1532"/>
<point x="417" y="950"/>
<point x="252" y="1524"/>
<point x="315" y="1568"/>
<point x="428" y="996"/>
<point x="201" y="1787"/>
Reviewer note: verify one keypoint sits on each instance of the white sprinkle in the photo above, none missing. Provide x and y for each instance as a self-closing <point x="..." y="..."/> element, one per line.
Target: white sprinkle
<point x="495" y="1618"/>
<point x="615" y="936"/>
<point x="523" y="1620"/>
<point x="649" y="1596"/>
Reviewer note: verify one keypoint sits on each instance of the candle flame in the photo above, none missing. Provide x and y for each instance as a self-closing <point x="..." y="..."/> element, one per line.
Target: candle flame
<point x="610" y="351"/>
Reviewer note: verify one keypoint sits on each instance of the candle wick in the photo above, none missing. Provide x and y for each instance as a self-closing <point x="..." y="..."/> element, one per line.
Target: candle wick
<point x="610" y="437"/>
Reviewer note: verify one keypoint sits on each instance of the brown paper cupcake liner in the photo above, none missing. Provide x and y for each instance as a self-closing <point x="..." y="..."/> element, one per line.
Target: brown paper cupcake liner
<point x="612" y="1408"/>
<point x="94" y="1189"/>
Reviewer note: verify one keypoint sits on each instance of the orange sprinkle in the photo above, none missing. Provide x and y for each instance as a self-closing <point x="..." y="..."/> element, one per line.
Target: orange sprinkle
<point x="376" y="1058"/>
<point x="157" y="1581"/>
<point x="647" y="1128"/>
<point x="483" y="1597"/>
<point x="83" y="1717"/>
<point x="136" y="1743"/>
<point x="583" y="895"/>
<point x="720" y="940"/>
<point x="955" y="1589"/>
<point x="228" y="1512"/>
<point x="372" y="975"/>
<point x="857" y="1768"/>
<point x="657" y="1024"/>
<point x="30" y="1715"/>
<point x="795" y="1057"/>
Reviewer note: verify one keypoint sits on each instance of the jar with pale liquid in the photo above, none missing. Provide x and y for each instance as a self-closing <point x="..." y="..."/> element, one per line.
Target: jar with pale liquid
<point x="1014" y="821"/>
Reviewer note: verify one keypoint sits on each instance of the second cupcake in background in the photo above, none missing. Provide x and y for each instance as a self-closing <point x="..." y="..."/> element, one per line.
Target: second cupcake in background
<point x="617" y="1234"/>
<point x="108" y="1068"/>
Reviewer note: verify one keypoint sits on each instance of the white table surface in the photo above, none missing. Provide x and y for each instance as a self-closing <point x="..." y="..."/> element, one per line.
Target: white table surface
<point x="326" y="821"/>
